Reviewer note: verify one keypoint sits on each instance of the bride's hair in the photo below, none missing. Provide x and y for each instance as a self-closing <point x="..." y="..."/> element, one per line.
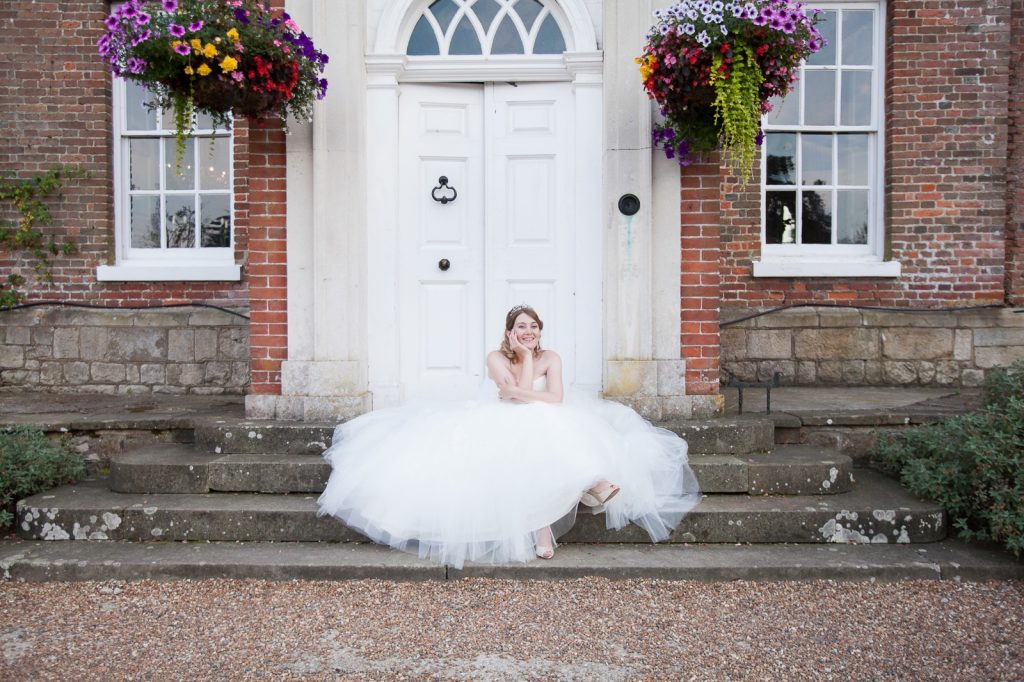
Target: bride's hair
<point x="510" y="320"/>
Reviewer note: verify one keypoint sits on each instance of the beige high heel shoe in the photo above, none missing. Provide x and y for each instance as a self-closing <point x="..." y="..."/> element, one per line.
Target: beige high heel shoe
<point x="544" y="551"/>
<point x="591" y="498"/>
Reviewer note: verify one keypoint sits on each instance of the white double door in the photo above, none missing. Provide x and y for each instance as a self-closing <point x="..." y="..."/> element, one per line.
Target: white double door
<point x="502" y="155"/>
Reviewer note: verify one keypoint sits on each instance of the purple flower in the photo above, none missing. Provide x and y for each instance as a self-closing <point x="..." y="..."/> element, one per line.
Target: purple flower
<point x="775" y="23"/>
<point x="242" y="15"/>
<point x="128" y="11"/>
<point x="182" y="49"/>
<point x="136" y="65"/>
<point x="111" y="23"/>
<point x="195" y="26"/>
<point x="759" y="20"/>
<point x="813" y="44"/>
<point x="176" y="31"/>
<point x="788" y="27"/>
<point x="759" y="140"/>
<point x="142" y="37"/>
<point x="767" y="12"/>
<point x="170" y="5"/>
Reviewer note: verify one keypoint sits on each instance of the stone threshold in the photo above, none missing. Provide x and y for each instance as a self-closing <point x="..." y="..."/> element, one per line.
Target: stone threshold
<point x="40" y="561"/>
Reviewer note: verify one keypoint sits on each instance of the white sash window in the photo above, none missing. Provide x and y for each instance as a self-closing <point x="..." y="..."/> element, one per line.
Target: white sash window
<point x="821" y="190"/>
<point x="174" y="219"/>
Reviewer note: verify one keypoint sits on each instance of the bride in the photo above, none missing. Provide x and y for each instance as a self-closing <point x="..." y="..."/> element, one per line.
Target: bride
<point x="499" y="478"/>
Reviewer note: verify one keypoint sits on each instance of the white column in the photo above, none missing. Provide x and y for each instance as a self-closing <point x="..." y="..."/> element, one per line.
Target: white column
<point x="382" y="97"/>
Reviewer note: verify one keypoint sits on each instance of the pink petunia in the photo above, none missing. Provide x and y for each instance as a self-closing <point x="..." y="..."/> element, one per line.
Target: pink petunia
<point x="170" y="5"/>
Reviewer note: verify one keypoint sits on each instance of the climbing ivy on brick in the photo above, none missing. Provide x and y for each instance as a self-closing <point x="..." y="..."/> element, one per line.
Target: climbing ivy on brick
<point x="27" y="200"/>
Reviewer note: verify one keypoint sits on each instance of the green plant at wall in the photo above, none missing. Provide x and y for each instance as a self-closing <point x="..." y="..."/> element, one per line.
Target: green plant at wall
<point x="27" y="199"/>
<point x="31" y="463"/>
<point x="738" y="105"/>
<point x="973" y="464"/>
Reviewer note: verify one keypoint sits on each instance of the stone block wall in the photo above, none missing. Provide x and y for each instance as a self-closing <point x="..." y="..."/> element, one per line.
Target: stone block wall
<point x="858" y="347"/>
<point x="172" y="350"/>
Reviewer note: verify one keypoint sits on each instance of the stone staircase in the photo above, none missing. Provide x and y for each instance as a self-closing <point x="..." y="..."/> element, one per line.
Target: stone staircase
<point x="257" y="482"/>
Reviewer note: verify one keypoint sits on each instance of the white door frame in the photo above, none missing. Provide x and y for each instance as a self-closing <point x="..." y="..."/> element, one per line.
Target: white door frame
<point x="386" y="70"/>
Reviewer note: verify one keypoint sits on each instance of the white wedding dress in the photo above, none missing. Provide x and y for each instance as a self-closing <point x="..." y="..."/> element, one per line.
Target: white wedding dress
<point x="475" y="480"/>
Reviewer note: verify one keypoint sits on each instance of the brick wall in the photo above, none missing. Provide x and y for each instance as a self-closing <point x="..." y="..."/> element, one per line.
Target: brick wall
<point x="700" y="277"/>
<point x="1015" y="166"/>
<point x="55" y="108"/>
<point x="947" y="79"/>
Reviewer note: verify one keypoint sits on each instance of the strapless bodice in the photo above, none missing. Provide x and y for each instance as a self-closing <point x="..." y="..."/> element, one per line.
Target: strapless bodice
<point x="541" y="383"/>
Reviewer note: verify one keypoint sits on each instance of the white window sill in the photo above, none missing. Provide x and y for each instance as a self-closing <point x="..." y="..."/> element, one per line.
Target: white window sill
<point x="169" y="272"/>
<point x="826" y="268"/>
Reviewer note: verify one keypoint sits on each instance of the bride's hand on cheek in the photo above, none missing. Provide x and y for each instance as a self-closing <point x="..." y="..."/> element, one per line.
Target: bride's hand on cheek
<point x="517" y="347"/>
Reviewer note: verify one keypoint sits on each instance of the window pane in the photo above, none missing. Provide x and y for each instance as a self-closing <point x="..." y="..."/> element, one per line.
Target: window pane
<point x="443" y="11"/>
<point x="858" y="37"/>
<point x="145" y="222"/>
<point x="853" y="159"/>
<point x="817" y="159"/>
<point x="817" y="218"/>
<point x="528" y="11"/>
<point x="137" y="116"/>
<point x="785" y="111"/>
<point x="464" y="40"/>
<point x="486" y="10"/>
<point x="780" y="214"/>
<point x="827" y="28"/>
<point x="423" y="41"/>
<point x="215" y="213"/>
<point x="506" y="39"/>
<point x="181" y="221"/>
<point x="781" y="158"/>
<point x="549" y="38"/>
<point x="852" y="216"/>
<point x="172" y="178"/>
<point x="144" y="164"/>
<point x="855" y="107"/>
<point x="204" y="122"/>
<point x="820" y="98"/>
<point x="214" y="163"/>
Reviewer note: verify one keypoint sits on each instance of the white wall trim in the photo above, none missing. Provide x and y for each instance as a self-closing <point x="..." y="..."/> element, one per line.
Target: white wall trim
<point x="826" y="268"/>
<point x="165" y="272"/>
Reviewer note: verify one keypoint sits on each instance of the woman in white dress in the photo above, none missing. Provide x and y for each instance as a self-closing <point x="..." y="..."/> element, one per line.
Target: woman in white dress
<point x="498" y="480"/>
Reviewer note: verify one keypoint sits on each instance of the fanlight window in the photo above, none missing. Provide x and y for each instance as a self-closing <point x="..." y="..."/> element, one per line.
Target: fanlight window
<point x="486" y="27"/>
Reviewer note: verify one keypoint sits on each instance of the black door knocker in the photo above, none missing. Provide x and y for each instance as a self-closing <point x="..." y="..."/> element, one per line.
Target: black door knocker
<point x="442" y="185"/>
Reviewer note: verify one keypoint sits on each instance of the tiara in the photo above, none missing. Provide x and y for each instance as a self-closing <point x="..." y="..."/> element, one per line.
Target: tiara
<point x="519" y="308"/>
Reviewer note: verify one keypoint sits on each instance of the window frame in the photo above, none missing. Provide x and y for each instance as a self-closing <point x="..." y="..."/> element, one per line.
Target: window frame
<point x="836" y="260"/>
<point x="161" y="264"/>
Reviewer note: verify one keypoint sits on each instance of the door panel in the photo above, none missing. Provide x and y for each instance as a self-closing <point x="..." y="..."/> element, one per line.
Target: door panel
<point x="530" y="233"/>
<point x="441" y="311"/>
<point x="509" y="234"/>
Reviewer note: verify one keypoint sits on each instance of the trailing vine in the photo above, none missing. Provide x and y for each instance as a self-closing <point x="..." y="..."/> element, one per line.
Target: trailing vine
<point x="738" y="106"/>
<point x="28" y="197"/>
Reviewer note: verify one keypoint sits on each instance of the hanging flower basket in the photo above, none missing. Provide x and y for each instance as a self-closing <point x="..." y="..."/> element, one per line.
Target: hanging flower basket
<point x="713" y="67"/>
<point x="216" y="57"/>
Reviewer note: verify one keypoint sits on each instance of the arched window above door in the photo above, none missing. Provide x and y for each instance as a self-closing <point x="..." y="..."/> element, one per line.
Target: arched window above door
<point x="485" y="28"/>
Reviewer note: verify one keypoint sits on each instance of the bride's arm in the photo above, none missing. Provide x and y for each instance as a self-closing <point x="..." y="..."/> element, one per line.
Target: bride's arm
<point x="526" y="394"/>
<point x="497" y="369"/>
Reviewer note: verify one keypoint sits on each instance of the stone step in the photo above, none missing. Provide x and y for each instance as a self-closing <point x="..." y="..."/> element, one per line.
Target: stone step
<point x="725" y="435"/>
<point x="790" y="470"/>
<point x="877" y="509"/>
<point x="38" y="561"/>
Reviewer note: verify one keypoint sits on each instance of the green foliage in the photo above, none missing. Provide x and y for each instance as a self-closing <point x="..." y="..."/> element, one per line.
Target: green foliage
<point x="31" y="463"/>
<point x="738" y="107"/>
<point x="28" y="199"/>
<point x="973" y="464"/>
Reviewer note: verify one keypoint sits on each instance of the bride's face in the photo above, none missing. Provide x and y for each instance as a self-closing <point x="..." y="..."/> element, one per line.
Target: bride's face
<point x="527" y="330"/>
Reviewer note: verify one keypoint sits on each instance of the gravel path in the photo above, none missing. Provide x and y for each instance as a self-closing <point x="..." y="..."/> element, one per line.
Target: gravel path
<point x="496" y="630"/>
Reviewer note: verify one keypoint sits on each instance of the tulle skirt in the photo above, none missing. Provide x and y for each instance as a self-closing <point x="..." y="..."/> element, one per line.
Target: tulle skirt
<point x="476" y="480"/>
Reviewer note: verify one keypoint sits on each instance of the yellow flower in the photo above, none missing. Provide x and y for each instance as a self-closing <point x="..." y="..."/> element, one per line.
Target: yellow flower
<point x="209" y="51"/>
<point x="203" y="70"/>
<point x="228" y="64"/>
<point x="189" y="71"/>
<point x="196" y="44"/>
<point x="233" y="35"/>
